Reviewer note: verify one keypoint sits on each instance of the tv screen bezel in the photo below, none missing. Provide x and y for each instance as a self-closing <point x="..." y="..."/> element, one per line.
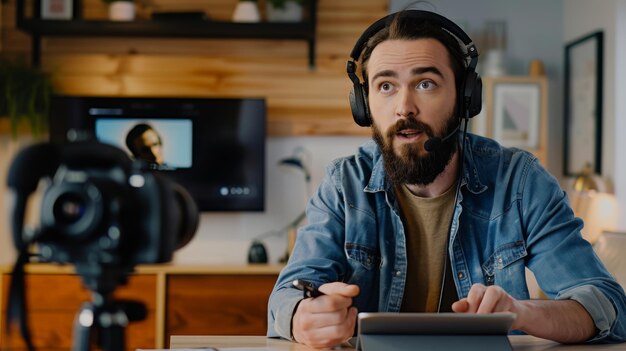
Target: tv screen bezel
<point x="72" y="112"/>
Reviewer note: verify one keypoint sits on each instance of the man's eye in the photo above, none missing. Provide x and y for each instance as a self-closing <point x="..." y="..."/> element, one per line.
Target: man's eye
<point x="386" y="87"/>
<point x="426" y="85"/>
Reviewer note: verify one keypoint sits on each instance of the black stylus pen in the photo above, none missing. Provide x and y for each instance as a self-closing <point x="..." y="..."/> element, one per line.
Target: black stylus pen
<point x="307" y="288"/>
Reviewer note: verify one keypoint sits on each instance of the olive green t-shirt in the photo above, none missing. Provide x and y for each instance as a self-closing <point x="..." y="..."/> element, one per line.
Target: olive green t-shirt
<point x="426" y="223"/>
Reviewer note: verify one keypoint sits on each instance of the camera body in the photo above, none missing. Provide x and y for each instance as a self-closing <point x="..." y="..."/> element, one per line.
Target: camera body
<point x="101" y="211"/>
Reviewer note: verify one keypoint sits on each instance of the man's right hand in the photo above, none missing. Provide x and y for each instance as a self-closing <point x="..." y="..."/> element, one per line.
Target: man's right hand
<point x="328" y="320"/>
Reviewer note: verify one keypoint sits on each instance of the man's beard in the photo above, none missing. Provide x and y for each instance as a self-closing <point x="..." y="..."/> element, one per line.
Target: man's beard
<point x="409" y="167"/>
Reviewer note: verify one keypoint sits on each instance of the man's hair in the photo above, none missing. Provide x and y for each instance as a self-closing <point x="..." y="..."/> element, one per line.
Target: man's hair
<point x="135" y="133"/>
<point x="405" y="27"/>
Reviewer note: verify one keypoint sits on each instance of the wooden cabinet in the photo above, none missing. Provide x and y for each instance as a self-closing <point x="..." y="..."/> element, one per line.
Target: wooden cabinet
<point x="218" y="304"/>
<point x="181" y="300"/>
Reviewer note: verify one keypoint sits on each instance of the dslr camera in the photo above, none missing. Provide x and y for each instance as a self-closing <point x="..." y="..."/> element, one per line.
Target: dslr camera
<point x="100" y="211"/>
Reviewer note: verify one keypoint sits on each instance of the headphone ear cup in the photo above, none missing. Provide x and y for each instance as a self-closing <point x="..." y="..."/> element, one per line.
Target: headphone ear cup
<point x="358" y="105"/>
<point x="472" y="95"/>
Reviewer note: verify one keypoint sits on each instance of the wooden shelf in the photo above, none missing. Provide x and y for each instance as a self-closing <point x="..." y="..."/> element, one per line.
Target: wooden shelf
<point x="39" y="28"/>
<point x="172" y="29"/>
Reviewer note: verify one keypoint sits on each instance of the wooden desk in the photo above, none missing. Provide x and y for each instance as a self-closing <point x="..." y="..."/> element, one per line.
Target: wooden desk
<point x="520" y="343"/>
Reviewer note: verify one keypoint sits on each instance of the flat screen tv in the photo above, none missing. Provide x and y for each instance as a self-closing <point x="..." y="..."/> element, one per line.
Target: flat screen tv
<point x="214" y="147"/>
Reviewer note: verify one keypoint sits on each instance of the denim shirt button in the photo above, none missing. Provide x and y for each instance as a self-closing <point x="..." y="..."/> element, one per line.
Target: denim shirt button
<point x="461" y="275"/>
<point x="398" y="273"/>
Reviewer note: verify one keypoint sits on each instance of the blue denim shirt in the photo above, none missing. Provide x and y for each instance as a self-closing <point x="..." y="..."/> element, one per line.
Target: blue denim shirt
<point x="510" y="214"/>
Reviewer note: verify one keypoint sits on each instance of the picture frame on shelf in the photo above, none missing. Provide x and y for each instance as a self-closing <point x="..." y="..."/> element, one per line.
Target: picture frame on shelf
<point x="583" y="104"/>
<point x="516" y="113"/>
<point x="57" y="9"/>
<point x="516" y="109"/>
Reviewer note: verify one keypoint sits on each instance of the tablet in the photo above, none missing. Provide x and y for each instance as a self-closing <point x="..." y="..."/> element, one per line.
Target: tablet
<point x="382" y="323"/>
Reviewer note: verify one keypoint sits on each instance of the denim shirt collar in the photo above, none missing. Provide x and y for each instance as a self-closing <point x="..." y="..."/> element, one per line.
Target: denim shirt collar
<point x="471" y="177"/>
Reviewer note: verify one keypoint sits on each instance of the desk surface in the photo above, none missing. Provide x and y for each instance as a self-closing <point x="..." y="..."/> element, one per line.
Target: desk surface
<point x="520" y="343"/>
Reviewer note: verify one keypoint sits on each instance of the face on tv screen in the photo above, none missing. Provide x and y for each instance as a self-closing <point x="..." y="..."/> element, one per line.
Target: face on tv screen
<point x="165" y="144"/>
<point x="215" y="148"/>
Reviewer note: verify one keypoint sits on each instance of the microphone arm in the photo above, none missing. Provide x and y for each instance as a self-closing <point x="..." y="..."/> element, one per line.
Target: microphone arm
<point x="433" y="143"/>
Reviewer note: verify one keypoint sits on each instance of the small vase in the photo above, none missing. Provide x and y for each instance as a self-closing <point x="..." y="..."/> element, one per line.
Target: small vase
<point x="122" y="11"/>
<point x="246" y="11"/>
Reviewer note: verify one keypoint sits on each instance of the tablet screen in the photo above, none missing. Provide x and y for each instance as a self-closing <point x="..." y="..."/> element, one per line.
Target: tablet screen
<point x="435" y="323"/>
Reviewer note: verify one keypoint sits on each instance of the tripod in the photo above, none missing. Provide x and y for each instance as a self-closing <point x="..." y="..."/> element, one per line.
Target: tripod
<point x="103" y="320"/>
<point x="106" y="320"/>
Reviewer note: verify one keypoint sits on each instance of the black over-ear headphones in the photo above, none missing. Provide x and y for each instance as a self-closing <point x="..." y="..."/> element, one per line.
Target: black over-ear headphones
<point x="469" y="93"/>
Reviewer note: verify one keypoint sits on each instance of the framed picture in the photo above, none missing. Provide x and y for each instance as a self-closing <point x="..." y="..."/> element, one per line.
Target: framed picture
<point x="516" y="114"/>
<point x="56" y="9"/>
<point x="583" y="104"/>
<point x="516" y="109"/>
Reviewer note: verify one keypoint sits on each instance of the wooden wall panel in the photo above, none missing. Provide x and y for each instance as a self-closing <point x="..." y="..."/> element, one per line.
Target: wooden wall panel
<point x="300" y="101"/>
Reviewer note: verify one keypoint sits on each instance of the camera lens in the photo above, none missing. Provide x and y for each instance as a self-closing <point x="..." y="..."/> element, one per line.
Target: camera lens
<point x="69" y="208"/>
<point x="73" y="210"/>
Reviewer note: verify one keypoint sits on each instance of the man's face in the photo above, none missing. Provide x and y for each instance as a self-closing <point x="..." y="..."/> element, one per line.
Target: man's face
<point x="412" y="97"/>
<point x="149" y="147"/>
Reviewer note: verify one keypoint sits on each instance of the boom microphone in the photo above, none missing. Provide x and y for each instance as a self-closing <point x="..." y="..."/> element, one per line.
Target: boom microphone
<point x="433" y="143"/>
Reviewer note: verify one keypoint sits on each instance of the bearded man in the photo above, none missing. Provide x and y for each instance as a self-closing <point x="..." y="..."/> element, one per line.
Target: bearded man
<point x="427" y="219"/>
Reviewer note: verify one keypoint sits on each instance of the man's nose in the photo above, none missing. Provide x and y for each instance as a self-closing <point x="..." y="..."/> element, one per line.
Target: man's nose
<point x="406" y="105"/>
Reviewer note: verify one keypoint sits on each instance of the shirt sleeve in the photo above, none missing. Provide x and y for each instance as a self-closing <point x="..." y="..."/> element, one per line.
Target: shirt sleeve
<point x="285" y="302"/>
<point x="564" y="263"/>
<point x="597" y="305"/>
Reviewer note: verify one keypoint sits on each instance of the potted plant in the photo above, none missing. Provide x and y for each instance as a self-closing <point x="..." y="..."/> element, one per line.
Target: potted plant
<point x="284" y="10"/>
<point x="121" y="10"/>
<point x="25" y="96"/>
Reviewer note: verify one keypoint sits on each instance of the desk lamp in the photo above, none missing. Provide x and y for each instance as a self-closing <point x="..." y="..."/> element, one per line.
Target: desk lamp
<point x="257" y="252"/>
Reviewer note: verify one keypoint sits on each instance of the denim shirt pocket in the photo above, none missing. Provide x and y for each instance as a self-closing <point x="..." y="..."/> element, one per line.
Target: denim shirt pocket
<point x="362" y="256"/>
<point x="502" y="266"/>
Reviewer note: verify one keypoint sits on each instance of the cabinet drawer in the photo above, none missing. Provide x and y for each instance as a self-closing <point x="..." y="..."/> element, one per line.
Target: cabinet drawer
<point x="218" y="304"/>
<point x="53" y="301"/>
<point x="53" y="331"/>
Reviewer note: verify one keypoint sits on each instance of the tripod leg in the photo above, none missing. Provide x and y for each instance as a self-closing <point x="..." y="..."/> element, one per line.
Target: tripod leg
<point x="112" y="327"/>
<point x="112" y="338"/>
<point x="82" y="327"/>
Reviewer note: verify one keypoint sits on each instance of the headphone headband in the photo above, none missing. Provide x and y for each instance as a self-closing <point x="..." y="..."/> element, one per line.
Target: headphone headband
<point x="445" y="23"/>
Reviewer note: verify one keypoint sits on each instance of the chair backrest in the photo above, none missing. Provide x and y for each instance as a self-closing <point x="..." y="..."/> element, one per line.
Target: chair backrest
<point x="611" y="248"/>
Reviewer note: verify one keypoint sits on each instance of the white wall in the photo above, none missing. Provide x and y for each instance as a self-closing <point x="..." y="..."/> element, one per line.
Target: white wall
<point x="582" y="17"/>
<point x="225" y="237"/>
<point x="620" y="111"/>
